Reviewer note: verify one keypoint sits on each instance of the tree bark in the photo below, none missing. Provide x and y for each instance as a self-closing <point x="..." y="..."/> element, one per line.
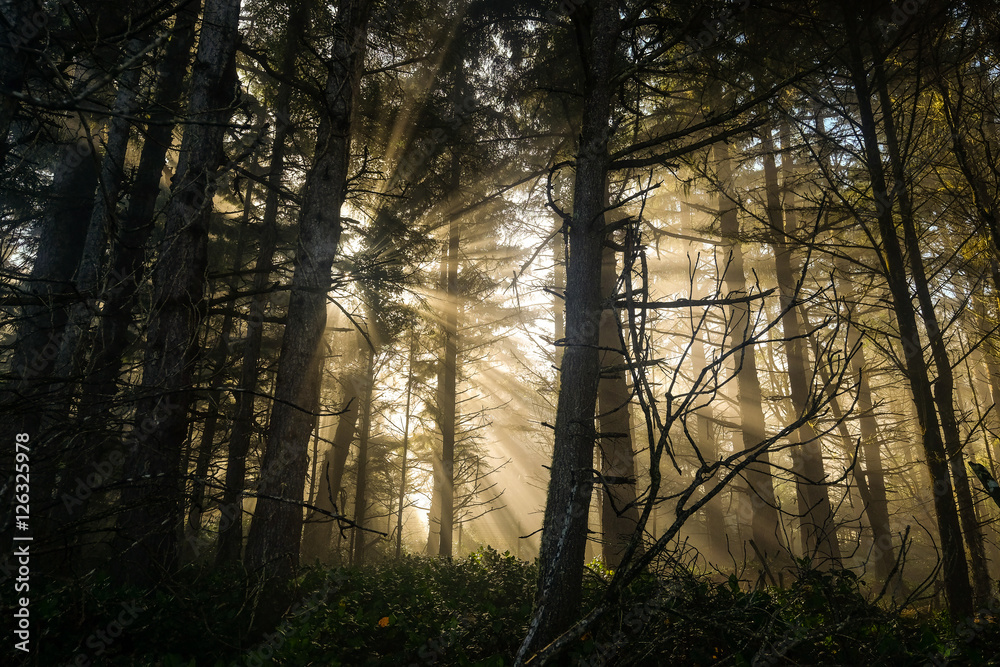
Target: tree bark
<point x="360" y="550"/>
<point x="944" y="384"/>
<point x="958" y="591"/>
<point x="564" y="532"/>
<point x="819" y="531"/>
<point x="715" y="522"/>
<point x="760" y="486"/>
<point x="619" y="514"/>
<point x="230" y="543"/>
<point x="148" y="527"/>
<point x="275" y="533"/>
<point x="448" y="380"/>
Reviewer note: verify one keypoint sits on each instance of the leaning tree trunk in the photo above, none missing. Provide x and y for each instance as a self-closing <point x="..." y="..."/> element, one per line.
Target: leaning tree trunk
<point x="148" y="527"/>
<point x="819" y="532"/>
<point x="958" y="591"/>
<point x="571" y="483"/>
<point x="127" y="257"/>
<point x="275" y="532"/>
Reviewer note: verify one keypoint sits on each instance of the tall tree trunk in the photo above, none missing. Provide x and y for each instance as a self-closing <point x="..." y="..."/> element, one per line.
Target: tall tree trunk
<point x="619" y="513"/>
<point x="571" y="483"/>
<point x="945" y="382"/>
<point x="954" y="569"/>
<point x="127" y="258"/>
<point x="447" y="383"/>
<point x="760" y="486"/>
<point x="360" y="550"/>
<point x="406" y="442"/>
<point x="230" y="543"/>
<point x="41" y="328"/>
<point x="275" y="533"/>
<point x="148" y="527"/>
<point x="216" y="366"/>
<point x="873" y="474"/>
<point x="715" y="522"/>
<point x="819" y="531"/>
<point x="558" y="299"/>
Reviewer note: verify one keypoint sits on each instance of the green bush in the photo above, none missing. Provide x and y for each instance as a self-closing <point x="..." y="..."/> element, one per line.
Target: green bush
<point x="475" y="611"/>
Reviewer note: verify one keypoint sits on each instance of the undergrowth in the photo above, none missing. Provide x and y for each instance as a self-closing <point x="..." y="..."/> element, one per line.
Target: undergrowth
<point x="475" y="610"/>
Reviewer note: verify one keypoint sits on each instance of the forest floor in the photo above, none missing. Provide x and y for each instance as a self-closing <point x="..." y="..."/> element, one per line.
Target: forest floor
<point x="474" y="611"/>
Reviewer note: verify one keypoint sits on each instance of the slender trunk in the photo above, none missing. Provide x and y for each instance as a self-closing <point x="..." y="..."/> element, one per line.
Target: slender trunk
<point x="230" y="544"/>
<point x="619" y="514"/>
<point x="406" y="442"/>
<point x="571" y="484"/>
<point x="945" y="381"/>
<point x="448" y="379"/>
<point x="873" y="473"/>
<point x="361" y="483"/>
<point x="715" y="523"/>
<point x="954" y="569"/>
<point x="317" y="533"/>
<point x="217" y="369"/>
<point x="558" y="299"/>
<point x="763" y="512"/>
<point x="819" y="531"/>
<point x="148" y="527"/>
<point x="276" y="530"/>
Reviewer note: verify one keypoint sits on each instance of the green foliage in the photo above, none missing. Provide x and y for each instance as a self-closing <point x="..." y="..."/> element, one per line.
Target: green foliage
<point x="464" y="612"/>
<point x="475" y="611"/>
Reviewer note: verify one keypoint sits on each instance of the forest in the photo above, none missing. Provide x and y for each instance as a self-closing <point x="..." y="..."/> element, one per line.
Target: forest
<point x="511" y="332"/>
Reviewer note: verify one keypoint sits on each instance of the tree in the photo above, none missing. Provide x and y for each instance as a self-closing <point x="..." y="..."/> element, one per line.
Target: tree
<point x="148" y="528"/>
<point x="273" y="543"/>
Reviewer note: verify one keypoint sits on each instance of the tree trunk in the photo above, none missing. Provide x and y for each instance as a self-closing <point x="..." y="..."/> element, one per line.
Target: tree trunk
<point x="27" y="400"/>
<point x="359" y="552"/>
<point x="619" y="514"/>
<point x="760" y="487"/>
<point x="873" y="474"/>
<point x="128" y="255"/>
<point x="944" y="384"/>
<point x="819" y="530"/>
<point x="564" y="532"/>
<point x="230" y="543"/>
<point x="954" y="569"/>
<point x="275" y="533"/>
<point x="148" y="528"/>
<point x="216" y="363"/>
<point x="715" y="522"/>
<point x="406" y="442"/>
<point x="448" y="380"/>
